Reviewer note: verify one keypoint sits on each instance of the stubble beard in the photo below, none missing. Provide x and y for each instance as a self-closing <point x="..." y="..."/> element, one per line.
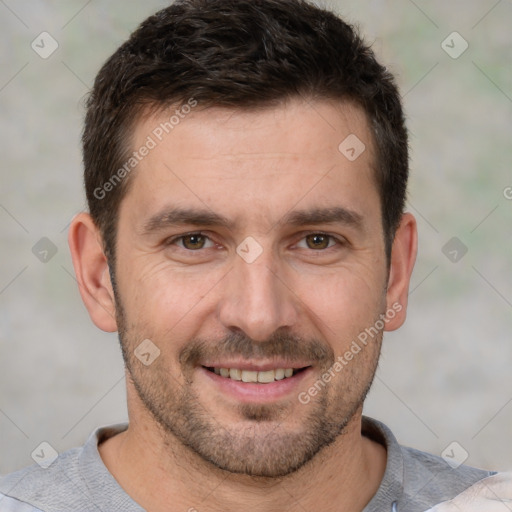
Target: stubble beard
<point x="260" y="444"/>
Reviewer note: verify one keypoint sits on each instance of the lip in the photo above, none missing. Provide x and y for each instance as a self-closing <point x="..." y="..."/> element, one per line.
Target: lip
<point x="252" y="392"/>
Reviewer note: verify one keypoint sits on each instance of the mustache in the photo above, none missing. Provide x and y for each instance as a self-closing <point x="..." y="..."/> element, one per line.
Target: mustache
<point x="279" y="345"/>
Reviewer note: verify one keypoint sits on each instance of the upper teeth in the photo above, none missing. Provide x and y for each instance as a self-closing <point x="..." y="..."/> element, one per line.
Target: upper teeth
<point x="253" y="376"/>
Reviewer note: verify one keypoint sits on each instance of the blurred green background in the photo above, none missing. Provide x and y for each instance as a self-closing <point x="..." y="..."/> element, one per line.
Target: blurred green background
<point x="445" y="376"/>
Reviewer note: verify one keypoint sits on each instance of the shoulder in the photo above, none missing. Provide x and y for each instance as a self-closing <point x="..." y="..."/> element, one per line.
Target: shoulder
<point x="40" y="487"/>
<point x="416" y="480"/>
<point x="8" y="504"/>
<point x="491" y="493"/>
<point x="74" y="480"/>
<point x="430" y="479"/>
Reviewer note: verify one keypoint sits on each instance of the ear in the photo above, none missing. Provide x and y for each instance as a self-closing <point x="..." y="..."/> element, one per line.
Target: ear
<point x="403" y="257"/>
<point x="92" y="271"/>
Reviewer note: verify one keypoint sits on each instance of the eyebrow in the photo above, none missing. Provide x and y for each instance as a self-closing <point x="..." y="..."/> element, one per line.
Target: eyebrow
<point x="333" y="215"/>
<point x="183" y="216"/>
<point x="199" y="217"/>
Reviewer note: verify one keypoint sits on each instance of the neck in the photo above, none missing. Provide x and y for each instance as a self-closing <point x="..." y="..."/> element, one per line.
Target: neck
<point x="155" y="470"/>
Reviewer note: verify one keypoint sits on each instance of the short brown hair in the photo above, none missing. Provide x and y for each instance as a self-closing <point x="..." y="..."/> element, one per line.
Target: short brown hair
<point x="238" y="54"/>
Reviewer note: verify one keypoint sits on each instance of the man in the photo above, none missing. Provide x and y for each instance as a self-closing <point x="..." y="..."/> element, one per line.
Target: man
<point x="246" y="166"/>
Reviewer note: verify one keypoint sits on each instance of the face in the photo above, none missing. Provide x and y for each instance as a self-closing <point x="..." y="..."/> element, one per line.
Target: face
<point x="251" y="254"/>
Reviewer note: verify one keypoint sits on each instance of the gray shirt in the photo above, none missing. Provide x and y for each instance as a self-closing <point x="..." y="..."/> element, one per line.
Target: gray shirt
<point x="78" y="481"/>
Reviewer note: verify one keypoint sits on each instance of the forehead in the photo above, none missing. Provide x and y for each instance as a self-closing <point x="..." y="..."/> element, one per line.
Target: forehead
<point x="254" y="161"/>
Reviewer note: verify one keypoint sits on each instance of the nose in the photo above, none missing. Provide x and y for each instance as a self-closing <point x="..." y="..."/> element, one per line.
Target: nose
<point x="256" y="299"/>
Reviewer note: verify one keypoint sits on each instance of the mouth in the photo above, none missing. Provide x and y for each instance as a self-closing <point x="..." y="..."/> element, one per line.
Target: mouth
<point x="254" y="383"/>
<point x="256" y="376"/>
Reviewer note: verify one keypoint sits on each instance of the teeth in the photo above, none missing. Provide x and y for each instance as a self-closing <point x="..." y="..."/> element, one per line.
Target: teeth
<point x="248" y="376"/>
<point x="266" y="376"/>
<point x="253" y="376"/>
<point x="235" y="374"/>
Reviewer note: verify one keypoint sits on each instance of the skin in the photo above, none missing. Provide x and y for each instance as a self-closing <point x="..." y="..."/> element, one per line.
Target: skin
<point x="302" y="301"/>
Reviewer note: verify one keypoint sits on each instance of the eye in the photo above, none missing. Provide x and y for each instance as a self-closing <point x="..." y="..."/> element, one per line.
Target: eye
<point x="318" y="241"/>
<point x="193" y="241"/>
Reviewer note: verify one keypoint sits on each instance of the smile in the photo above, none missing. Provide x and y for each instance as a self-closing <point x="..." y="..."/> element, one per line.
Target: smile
<point x="262" y="377"/>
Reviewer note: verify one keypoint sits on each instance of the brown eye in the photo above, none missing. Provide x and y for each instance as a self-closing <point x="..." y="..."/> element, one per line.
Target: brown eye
<point x="193" y="242"/>
<point x="318" y="241"/>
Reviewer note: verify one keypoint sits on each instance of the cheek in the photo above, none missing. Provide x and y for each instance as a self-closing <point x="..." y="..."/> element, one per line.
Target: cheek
<point x="160" y="296"/>
<point x="343" y="303"/>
